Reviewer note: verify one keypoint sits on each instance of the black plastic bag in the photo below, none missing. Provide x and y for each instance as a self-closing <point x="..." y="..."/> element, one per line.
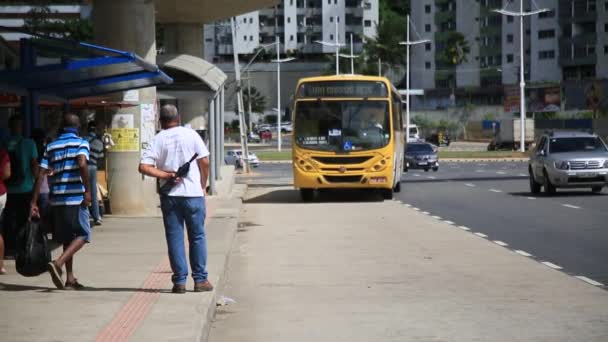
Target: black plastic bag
<point x="33" y="253"/>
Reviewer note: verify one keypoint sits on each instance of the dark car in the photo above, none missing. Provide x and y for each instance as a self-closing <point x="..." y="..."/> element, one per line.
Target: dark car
<point x="421" y="156"/>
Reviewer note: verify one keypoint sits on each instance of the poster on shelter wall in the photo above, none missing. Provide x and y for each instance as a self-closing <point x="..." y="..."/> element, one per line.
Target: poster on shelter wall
<point x="123" y="121"/>
<point x="125" y="139"/>
<point x="148" y="124"/>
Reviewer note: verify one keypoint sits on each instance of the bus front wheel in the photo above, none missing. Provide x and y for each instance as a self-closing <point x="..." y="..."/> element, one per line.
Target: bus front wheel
<point x="307" y="195"/>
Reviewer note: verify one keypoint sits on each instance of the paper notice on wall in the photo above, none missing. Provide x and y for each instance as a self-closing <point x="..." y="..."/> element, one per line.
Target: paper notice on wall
<point x="148" y="125"/>
<point x="131" y="96"/>
<point x="125" y="139"/>
<point x="123" y="121"/>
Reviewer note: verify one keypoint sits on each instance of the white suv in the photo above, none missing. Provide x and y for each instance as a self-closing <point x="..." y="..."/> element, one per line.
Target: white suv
<point x="569" y="160"/>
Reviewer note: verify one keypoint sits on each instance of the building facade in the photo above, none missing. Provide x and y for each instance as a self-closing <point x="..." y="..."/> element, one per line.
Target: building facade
<point x="568" y="43"/>
<point x="297" y="24"/>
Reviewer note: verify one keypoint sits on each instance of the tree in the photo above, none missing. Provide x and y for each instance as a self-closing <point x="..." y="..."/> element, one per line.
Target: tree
<point x="39" y="22"/>
<point x="258" y="101"/>
<point x="456" y="51"/>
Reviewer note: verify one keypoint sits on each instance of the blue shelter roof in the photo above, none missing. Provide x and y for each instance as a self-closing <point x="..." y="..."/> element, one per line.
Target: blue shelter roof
<point x="60" y="69"/>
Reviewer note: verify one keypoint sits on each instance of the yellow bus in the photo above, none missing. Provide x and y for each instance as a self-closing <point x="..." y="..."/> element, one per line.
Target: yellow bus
<point x="347" y="134"/>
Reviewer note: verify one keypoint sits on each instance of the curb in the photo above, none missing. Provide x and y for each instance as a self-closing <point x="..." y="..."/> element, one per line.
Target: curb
<point x="206" y="320"/>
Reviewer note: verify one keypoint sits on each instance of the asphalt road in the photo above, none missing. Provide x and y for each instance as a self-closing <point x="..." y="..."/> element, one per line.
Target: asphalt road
<point x="569" y="230"/>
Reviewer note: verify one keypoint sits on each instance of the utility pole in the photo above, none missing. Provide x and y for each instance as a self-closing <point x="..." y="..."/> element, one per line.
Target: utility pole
<point x="352" y="56"/>
<point x="250" y="123"/>
<point x="237" y="73"/>
<point x="279" y="61"/>
<point x="335" y="44"/>
<point x="407" y="43"/>
<point x="522" y="80"/>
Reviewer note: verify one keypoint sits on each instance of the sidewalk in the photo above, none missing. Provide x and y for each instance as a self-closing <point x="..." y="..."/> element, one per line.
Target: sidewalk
<point x="353" y="268"/>
<point x="127" y="274"/>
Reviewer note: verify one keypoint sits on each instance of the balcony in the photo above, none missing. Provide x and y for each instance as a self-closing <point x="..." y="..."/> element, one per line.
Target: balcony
<point x="354" y="11"/>
<point x="568" y="61"/>
<point x="581" y="39"/>
<point x="310" y="11"/>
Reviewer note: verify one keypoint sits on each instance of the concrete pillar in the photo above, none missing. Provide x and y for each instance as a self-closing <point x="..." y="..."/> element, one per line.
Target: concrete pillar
<point x="129" y="25"/>
<point x="188" y="39"/>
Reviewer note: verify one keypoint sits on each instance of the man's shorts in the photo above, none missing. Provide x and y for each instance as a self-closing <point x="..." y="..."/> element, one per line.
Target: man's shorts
<point x="71" y="222"/>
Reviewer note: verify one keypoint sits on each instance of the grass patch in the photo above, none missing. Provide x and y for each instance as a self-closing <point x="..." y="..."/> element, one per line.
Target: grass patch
<point x="482" y="154"/>
<point x="273" y="155"/>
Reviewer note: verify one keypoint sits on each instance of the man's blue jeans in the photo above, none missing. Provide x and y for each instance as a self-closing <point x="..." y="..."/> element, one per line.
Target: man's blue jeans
<point x="93" y="184"/>
<point x="191" y="211"/>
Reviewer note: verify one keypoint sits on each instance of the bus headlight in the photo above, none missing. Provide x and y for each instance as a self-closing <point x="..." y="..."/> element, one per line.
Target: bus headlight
<point x="304" y="165"/>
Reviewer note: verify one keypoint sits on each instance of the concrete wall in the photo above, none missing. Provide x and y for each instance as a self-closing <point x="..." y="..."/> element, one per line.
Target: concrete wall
<point x="333" y="12"/>
<point x="290" y="23"/>
<point x="602" y="39"/>
<point x="372" y="14"/>
<point x="467" y="74"/>
<point x="420" y="77"/>
<point x="510" y="73"/>
<point x="248" y="32"/>
<point x="544" y="70"/>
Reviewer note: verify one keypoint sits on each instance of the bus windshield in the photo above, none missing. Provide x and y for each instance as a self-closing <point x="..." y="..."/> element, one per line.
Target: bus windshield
<point x="342" y="126"/>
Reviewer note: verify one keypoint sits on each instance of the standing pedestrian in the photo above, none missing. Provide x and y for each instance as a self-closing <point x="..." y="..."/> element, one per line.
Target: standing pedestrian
<point x="24" y="168"/>
<point x="96" y="153"/>
<point x="65" y="163"/>
<point x="173" y="147"/>
<point x="5" y="173"/>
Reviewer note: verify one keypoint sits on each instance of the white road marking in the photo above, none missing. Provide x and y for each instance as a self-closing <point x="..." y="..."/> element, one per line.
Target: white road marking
<point x="500" y="243"/>
<point x="426" y="213"/>
<point x="449" y="222"/>
<point x="552" y="265"/>
<point x="523" y="175"/>
<point x="531" y="198"/>
<point x="570" y="206"/>
<point x="501" y="172"/>
<point x="464" y="228"/>
<point x="416" y="175"/>
<point x="494" y="190"/>
<point x="417" y="209"/>
<point x="470" y="185"/>
<point x="436" y="217"/>
<point x="481" y="235"/>
<point x="526" y="254"/>
<point x="431" y="177"/>
<point x="480" y="171"/>
<point x="589" y="281"/>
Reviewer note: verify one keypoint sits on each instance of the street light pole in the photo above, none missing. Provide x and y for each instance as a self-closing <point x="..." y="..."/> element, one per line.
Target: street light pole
<point x="279" y="61"/>
<point x="352" y="56"/>
<point x="237" y="75"/>
<point x="407" y="77"/>
<point x="335" y="44"/>
<point x="522" y="80"/>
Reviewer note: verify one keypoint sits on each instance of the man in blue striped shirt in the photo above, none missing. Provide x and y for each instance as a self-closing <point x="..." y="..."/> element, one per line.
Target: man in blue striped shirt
<point x="65" y="164"/>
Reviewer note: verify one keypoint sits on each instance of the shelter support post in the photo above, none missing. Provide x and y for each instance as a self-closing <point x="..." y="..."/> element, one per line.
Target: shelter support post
<point x="129" y="25"/>
<point x="212" y="147"/>
<point x="217" y="137"/>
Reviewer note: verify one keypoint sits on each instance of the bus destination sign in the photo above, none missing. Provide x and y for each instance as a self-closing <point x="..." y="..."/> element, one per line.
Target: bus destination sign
<point x="342" y="89"/>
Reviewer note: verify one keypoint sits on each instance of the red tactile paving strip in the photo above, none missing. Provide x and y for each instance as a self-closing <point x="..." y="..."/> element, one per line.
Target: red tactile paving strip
<point x="133" y="313"/>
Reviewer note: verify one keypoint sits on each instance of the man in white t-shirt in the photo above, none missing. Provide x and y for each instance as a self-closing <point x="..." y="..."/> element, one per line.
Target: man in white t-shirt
<point x="184" y="202"/>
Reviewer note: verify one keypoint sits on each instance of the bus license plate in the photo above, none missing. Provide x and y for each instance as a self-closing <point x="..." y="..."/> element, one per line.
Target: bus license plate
<point x="377" y="180"/>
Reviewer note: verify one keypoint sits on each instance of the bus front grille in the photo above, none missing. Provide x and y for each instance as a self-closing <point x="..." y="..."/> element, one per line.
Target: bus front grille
<point x="343" y="179"/>
<point x="342" y="160"/>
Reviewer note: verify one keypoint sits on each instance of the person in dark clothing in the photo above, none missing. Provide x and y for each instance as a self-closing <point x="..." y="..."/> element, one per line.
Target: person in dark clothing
<point x="95" y="154"/>
<point x="24" y="168"/>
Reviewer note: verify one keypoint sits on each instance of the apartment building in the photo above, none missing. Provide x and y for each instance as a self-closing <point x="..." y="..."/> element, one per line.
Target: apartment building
<point x="15" y="16"/>
<point x="570" y="42"/>
<point x="297" y="24"/>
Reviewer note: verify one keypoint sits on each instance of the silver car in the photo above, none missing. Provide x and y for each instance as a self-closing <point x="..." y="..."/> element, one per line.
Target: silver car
<point x="235" y="157"/>
<point x="569" y="160"/>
